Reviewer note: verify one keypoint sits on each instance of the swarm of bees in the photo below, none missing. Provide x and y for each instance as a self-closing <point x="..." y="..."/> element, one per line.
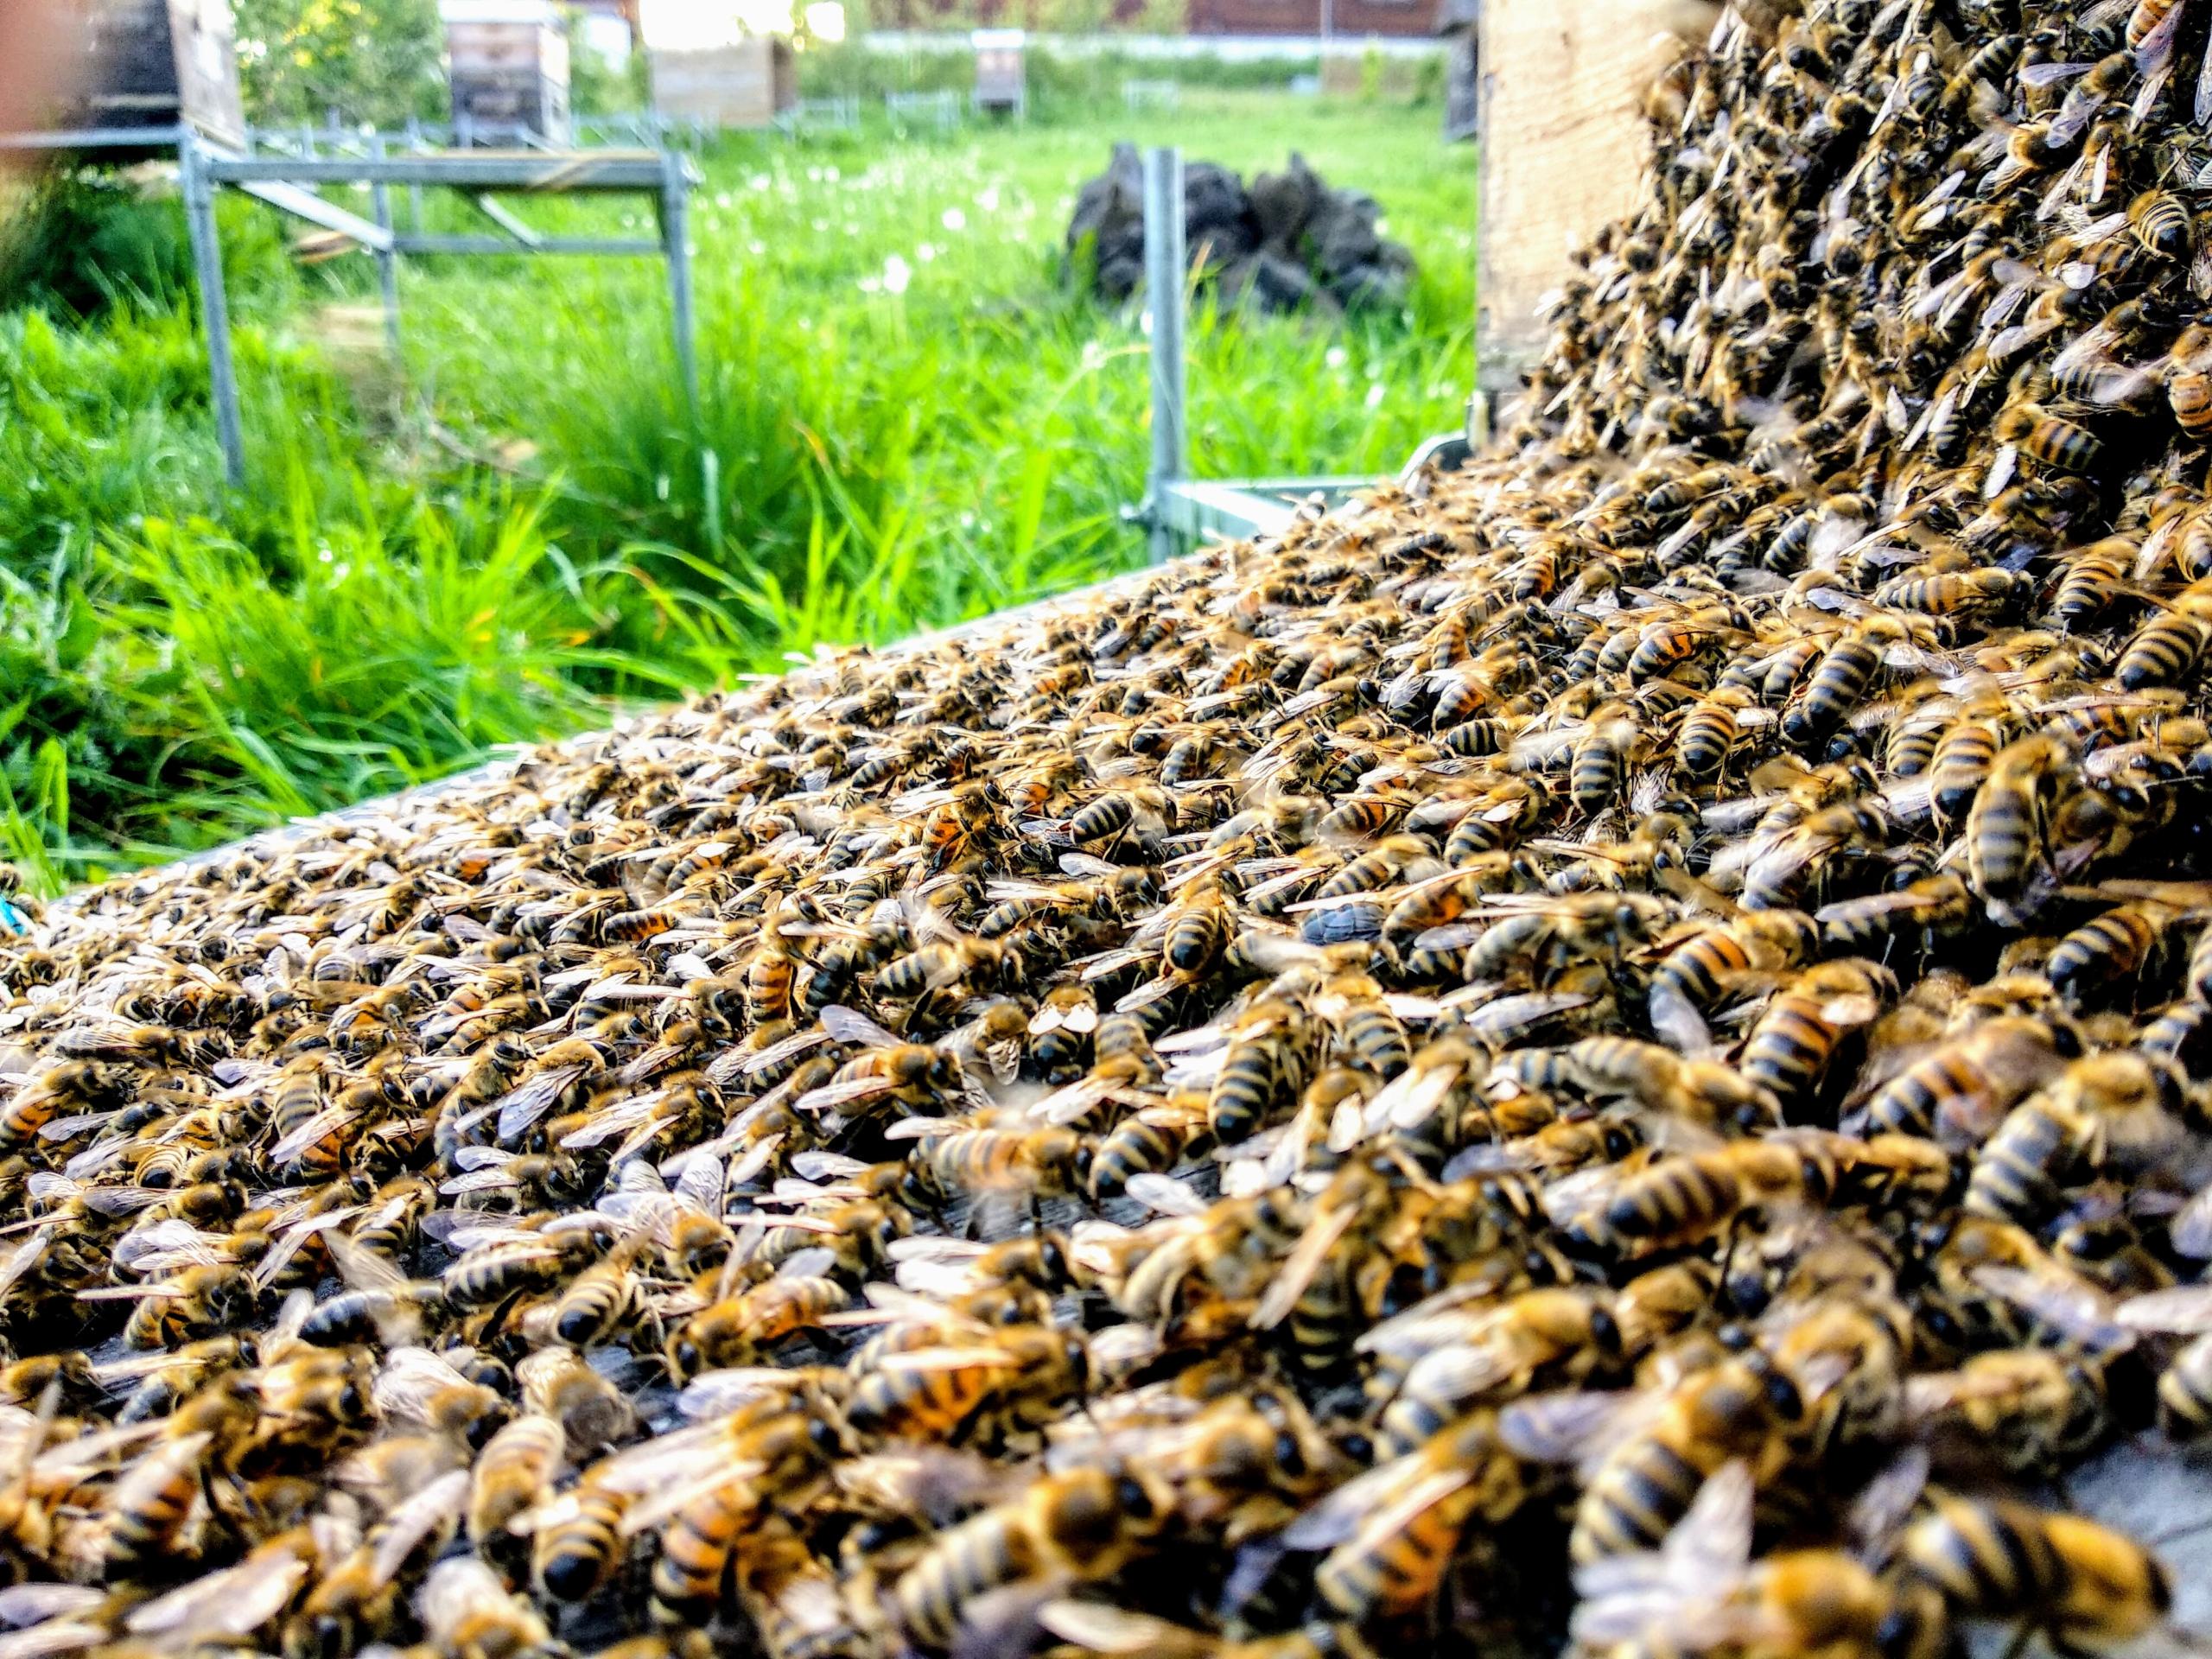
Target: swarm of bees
<point x="1608" y="1053"/>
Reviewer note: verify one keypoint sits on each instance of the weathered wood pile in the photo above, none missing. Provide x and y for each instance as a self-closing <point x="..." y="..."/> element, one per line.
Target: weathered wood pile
<point x="1288" y="242"/>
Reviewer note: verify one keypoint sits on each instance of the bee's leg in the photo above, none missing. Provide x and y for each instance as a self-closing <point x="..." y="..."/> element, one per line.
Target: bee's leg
<point x="1728" y="1237"/>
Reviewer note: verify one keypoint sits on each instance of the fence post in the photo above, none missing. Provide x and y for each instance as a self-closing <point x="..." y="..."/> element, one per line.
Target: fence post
<point x="1163" y="267"/>
<point x="387" y="259"/>
<point x="198" y="192"/>
<point x="674" y="230"/>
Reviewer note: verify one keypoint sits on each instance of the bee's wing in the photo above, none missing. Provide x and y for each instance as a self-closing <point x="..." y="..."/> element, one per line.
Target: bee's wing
<point x="295" y="1236"/>
<point x="1703" y="1558"/>
<point x="712" y="1396"/>
<point x="434" y="1507"/>
<point x="231" y="1601"/>
<point x="361" y="1267"/>
<point x="827" y="1166"/>
<point x="1103" y="1629"/>
<point x="1164" y="1195"/>
<point x="850" y="1025"/>
<point x="2190" y="1229"/>
<point x="773" y="1055"/>
<point x="2079" y="1308"/>
<point x="54" y="1636"/>
<point x="945" y="1359"/>
<point x="837" y="1094"/>
<point x="1574" y="1426"/>
<point x="1676" y="1022"/>
<point x="1297" y="1271"/>
<point x="1878" y="1514"/>
<point x="526" y="1102"/>
<point x="23" y="1604"/>
<point x="2185" y="1310"/>
<point x="1337" y="1516"/>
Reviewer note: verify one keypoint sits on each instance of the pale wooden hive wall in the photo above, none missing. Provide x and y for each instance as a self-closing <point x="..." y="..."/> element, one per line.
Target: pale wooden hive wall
<point x="747" y="84"/>
<point x="1563" y="142"/>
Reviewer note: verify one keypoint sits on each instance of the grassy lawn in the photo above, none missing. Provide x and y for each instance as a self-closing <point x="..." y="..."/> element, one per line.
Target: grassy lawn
<point x="906" y="418"/>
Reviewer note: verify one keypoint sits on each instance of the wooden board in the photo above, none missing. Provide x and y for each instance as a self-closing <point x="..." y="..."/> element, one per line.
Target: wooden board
<point x="748" y="84"/>
<point x="1562" y="144"/>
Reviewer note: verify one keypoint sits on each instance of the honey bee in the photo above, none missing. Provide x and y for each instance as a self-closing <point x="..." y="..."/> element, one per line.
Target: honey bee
<point x="1960" y="1090"/>
<point x="1653" y="974"/>
<point x="989" y="1385"/>
<point x="1151" y="1140"/>
<point x="1391" y="1533"/>
<point x="1794" y="1044"/>
<point x="2080" y="1581"/>
<point x="2030" y="1409"/>
<point x="2099" y="1103"/>
<point x="1262" y="1062"/>
<point x="592" y="1413"/>
<point x="150" y="1510"/>
<point x="513" y="1473"/>
<point x="468" y="1614"/>
<point x="2007" y="828"/>
<point x="737" y="1328"/>
<point x="1555" y="1334"/>
<point x="1085" y="1524"/>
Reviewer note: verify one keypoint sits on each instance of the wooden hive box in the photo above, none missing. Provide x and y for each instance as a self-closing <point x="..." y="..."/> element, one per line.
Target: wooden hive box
<point x="1563" y="84"/>
<point x="1002" y="70"/>
<point x="508" y="64"/>
<point x="154" y="63"/>
<point x="748" y="82"/>
<point x="1459" y="23"/>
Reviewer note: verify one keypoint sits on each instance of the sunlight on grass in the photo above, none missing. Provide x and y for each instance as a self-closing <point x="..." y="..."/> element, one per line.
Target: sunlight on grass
<point x="529" y="528"/>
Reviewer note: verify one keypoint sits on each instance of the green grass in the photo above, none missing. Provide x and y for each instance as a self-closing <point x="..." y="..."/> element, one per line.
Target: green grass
<point x="525" y="527"/>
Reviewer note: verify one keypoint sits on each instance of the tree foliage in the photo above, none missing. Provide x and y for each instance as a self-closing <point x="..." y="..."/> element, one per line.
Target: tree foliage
<point x="372" y="61"/>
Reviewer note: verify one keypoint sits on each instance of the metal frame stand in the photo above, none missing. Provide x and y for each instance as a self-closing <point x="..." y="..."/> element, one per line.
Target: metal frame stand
<point x="1178" y="510"/>
<point x="1164" y="275"/>
<point x="288" y="183"/>
<point x="199" y="193"/>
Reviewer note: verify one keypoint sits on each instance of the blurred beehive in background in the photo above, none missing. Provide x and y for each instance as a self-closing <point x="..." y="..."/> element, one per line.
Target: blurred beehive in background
<point x="152" y="64"/>
<point x="745" y="83"/>
<point x="508" y="65"/>
<point x="1001" y="71"/>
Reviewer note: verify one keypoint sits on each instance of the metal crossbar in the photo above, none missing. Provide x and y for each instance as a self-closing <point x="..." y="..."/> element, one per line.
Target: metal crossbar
<point x="1178" y="510"/>
<point x="288" y="182"/>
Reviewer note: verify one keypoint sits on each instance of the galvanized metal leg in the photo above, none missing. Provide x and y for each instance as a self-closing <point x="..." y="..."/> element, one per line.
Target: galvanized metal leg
<point x="199" y="193"/>
<point x="674" y="230"/>
<point x="387" y="260"/>
<point x="1163" y="292"/>
<point x="414" y="190"/>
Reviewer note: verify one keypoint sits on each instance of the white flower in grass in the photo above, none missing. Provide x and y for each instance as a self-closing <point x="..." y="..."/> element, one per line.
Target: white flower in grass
<point x="955" y="220"/>
<point x="1336" y="358"/>
<point x="898" y="275"/>
<point x="927" y="253"/>
<point x="1375" y="394"/>
<point x="987" y="198"/>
